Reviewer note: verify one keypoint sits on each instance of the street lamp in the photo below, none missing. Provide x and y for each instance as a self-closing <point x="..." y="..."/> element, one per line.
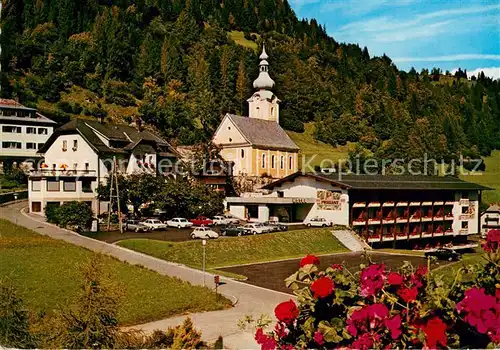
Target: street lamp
<point x="204" y="244"/>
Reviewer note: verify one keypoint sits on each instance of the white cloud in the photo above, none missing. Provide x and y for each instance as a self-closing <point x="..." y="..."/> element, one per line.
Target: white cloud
<point x="492" y="72"/>
<point x="391" y="29"/>
<point x="447" y="58"/>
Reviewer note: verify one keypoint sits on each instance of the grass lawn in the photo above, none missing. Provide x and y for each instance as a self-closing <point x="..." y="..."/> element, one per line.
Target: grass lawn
<point x="449" y="271"/>
<point x="46" y="272"/>
<point x="490" y="178"/>
<point x="241" y="250"/>
<point x="314" y="150"/>
<point x="239" y="38"/>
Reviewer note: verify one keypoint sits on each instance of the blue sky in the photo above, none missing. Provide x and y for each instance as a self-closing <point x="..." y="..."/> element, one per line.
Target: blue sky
<point x="419" y="33"/>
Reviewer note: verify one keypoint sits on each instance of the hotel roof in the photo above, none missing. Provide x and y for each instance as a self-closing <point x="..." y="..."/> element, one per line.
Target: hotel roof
<point x="386" y="182"/>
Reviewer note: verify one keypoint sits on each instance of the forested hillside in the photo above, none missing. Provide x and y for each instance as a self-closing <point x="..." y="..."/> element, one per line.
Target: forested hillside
<point x="173" y="63"/>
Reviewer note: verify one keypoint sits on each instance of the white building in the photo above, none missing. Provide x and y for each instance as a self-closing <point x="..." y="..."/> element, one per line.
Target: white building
<point x="490" y="219"/>
<point x="80" y="154"/>
<point x="379" y="208"/>
<point x="22" y="131"/>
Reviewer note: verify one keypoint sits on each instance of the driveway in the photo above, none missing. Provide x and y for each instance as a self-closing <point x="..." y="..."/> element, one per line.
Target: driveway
<point x="251" y="300"/>
<point x="272" y="275"/>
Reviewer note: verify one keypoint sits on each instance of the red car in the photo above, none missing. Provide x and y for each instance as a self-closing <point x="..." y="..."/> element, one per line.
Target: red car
<point x="202" y="221"/>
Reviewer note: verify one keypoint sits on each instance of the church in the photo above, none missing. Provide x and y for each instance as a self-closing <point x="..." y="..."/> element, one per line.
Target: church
<point x="257" y="144"/>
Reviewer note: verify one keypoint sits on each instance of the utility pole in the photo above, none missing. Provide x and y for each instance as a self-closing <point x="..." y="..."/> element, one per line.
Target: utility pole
<point x="204" y="244"/>
<point x="112" y="188"/>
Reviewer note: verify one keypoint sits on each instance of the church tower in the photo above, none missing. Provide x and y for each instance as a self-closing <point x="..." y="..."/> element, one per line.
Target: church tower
<point x="264" y="104"/>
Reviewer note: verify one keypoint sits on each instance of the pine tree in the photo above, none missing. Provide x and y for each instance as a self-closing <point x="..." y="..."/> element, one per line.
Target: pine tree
<point x="241" y="85"/>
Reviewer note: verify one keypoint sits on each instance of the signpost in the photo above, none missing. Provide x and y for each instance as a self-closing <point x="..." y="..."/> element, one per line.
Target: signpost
<point x="204" y="244"/>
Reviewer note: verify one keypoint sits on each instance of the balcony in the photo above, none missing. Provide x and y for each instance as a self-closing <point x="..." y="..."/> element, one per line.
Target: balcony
<point x="359" y="222"/>
<point x="62" y="173"/>
<point x="359" y="205"/>
<point x="373" y="204"/>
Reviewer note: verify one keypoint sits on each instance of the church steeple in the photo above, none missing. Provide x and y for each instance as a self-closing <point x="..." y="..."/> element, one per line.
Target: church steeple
<point x="263" y="81"/>
<point x="264" y="104"/>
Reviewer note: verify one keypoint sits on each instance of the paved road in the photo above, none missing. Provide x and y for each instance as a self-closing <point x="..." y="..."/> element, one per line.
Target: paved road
<point x="252" y="300"/>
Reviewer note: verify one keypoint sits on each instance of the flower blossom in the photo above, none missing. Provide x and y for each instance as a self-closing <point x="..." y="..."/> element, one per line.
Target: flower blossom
<point x="322" y="287"/>
<point x="309" y="260"/>
<point x="372" y="279"/>
<point x="287" y="312"/>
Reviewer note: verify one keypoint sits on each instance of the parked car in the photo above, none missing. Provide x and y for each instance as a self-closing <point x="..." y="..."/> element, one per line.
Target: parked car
<point x="202" y="221"/>
<point x="233" y="230"/>
<point x="154" y="224"/>
<point x="265" y="228"/>
<point x="135" y="225"/>
<point x="276" y="226"/>
<point x="253" y="229"/>
<point x="225" y="220"/>
<point x="319" y="222"/>
<point x="231" y="219"/>
<point x="444" y="254"/>
<point x="204" y="232"/>
<point x="179" y="223"/>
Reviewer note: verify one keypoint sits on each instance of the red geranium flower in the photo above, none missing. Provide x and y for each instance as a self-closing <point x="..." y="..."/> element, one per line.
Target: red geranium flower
<point x="492" y="241"/>
<point x="408" y="294"/>
<point x="286" y="312"/>
<point x="309" y="259"/>
<point x="318" y="338"/>
<point x="280" y="330"/>
<point x="364" y="342"/>
<point x="337" y="267"/>
<point x="265" y="341"/>
<point x="435" y="333"/>
<point x="322" y="287"/>
<point x="394" y="326"/>
<point x="395" y="279"/>
<point x="372" y="279"/>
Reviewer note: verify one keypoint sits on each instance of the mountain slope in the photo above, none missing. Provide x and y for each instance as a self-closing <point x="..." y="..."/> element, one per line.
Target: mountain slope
<point x="180" y="65"/>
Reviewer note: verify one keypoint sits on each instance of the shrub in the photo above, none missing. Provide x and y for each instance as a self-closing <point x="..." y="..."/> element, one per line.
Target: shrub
<point x="377" y="308"/>
<point x="75" y="215"/>
<point x="14" y="319"/>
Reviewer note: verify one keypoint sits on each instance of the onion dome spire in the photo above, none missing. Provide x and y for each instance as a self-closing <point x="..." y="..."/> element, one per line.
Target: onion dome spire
<point x="263" y="81"/>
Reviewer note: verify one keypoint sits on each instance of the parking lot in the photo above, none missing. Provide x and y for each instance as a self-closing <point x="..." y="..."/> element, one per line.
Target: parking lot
<point x="171" y="234"/>
<point x="272" y="275"/>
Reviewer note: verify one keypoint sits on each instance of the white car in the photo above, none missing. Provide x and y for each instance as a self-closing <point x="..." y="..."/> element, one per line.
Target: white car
<point x="154" y="224"/>
<point x="319" y="222"/>
<point x="204" y="232"/>
<point x="254" y="229"/>
<point x="265" y="228"/>
<point x="220" y="220"/>
<point x="179" y="223"/>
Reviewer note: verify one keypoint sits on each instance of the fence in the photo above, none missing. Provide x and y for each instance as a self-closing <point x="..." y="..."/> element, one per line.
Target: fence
<point x="13" y="196"/>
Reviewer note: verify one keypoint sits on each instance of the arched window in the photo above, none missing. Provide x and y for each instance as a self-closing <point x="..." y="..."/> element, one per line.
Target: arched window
<point x="290" y="162"/>
<point x="282" y="162"/>
<point x="263" y="160"/>
<point x="273" y="164"/>
<point x="242" y="153"/>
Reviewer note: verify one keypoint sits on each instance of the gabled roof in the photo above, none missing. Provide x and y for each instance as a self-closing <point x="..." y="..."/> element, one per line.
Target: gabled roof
<point x="386" y="182"/>
<point x="263" y="133"/>
<point x="124" y="137"/>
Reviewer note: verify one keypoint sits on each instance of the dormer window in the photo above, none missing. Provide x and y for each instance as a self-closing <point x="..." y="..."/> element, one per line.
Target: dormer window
<point x="64" y="145"/>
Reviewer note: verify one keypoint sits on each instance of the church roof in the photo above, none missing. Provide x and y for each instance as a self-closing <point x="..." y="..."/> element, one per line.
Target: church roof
<point x="263" y="133"/>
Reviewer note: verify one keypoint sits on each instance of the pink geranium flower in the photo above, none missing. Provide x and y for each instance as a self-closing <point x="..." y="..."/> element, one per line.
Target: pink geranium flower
<point x="372" y="279"/>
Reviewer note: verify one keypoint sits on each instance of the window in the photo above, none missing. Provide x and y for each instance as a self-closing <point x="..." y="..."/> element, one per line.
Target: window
<point x="86" y="167"/>
<point x="228" y="128"/>
<point x="75" y="145"/>
<point x="272" y="111"/>
<point x="65" y="146"/>
<point x="11" y="145"/>
<point x="290" y="162"/>
<point x="69" y="185"/>
<point x="30" y="145"/>
<point x="75" y="166"/>
<point x="12" y="129"/>
<point x="53" y="185"/>
<point x="43" y="131"/>
<point x="36" y="185"/>
<point x="273" y="163"/>
<point x="465" y="224"/>
<point x="465" y="210"/>
<point x="282" y="162"/>
<point x="230" y="140"/>
<point x="30" y="130"/>
<point x="36" y="207"/>
<point x="263" y="160"/>
<point x="242" y="153"/>
<point x="40" y="145"/>
<point x="86" y="185"/>
<point x="281" y="194"/>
